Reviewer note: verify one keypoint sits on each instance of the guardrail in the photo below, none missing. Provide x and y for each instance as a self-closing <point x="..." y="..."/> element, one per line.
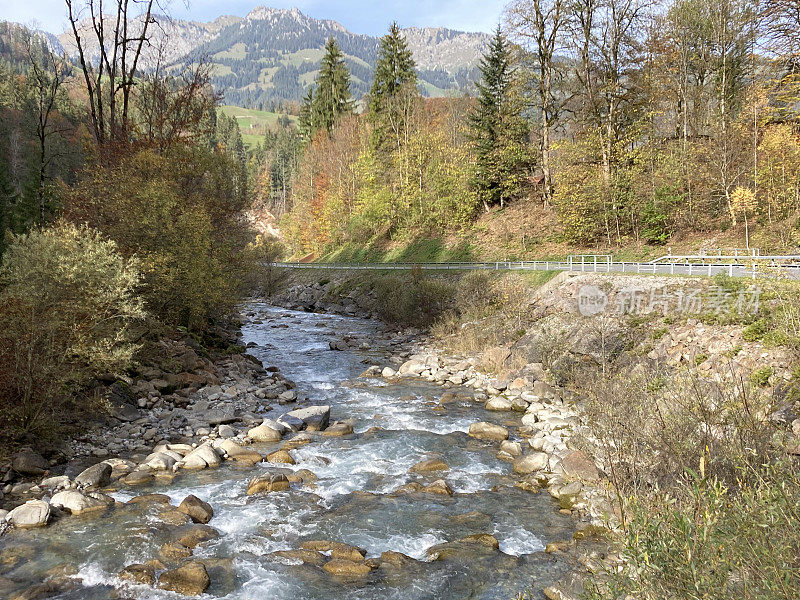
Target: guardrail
<point x="651" y="268"/>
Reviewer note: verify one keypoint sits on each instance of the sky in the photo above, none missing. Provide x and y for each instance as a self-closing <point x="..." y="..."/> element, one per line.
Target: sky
<point x="370" y="17"/>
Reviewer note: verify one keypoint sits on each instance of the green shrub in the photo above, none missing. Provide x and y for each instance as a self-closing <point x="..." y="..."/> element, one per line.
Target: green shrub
<point x="67" y="302"/>
<point x="761" y="376"/>
<point x="415" y="301"/>
<point x="755" y="331"/>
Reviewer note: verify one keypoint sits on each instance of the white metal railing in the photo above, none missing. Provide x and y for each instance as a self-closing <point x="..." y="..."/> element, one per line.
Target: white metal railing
<point x="677" y="267"/>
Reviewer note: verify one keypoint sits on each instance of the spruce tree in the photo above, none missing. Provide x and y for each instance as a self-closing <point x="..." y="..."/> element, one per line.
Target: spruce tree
<point x="498" y="129"/>
<point x="395" y="83"/>
<point x="305" y="122"/>
<point x="331" y="96"/>
<point x="393" y="71"/>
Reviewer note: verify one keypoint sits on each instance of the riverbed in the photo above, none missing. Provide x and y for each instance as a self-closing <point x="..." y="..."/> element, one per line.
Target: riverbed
<point x="354" y="500"/>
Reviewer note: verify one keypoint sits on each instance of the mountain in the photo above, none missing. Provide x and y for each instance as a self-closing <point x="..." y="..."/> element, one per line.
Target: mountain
<point x="273" y="54"/>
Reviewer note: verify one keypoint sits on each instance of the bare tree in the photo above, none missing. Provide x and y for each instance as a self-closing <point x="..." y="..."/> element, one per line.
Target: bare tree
<point x="46" y="77"/>
<point x="120" y="37"/>
<point x="539" y="25"/>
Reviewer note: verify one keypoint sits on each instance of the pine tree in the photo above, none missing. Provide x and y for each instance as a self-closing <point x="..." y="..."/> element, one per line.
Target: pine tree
<point x="393" y="71"/>
<point x="331" y="97"/>
<point x="393" y="93"/>
<point x="498" y="129"/>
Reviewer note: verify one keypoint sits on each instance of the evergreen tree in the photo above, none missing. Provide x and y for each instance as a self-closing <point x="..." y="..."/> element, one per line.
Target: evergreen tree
<point x="393" y="71"/>
<point x="331" y="98"/>
<point x="393" y="90"/>
<point x="498" y="129"/>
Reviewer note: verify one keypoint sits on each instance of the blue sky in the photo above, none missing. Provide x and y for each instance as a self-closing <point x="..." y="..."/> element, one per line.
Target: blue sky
<point x="358" y="16"/>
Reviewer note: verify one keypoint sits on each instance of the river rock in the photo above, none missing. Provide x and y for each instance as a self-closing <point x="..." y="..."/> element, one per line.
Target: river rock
<point x="28" y="462"/>
<point x="34" y="513"/>
<point x="398" y="560"/>
<point x="197" y="533"/>
<point x="75" y="502"/>
<point x="433" y="464"/>
<point x="139" y="573"/>
<point x="337" y="549"/>
<point x="488" y="431"/>
<point x="98" y="475"/>
<point x="270" y="482"/>
<point x="438" y="487"/>
<point x="482" y="539"/>
<point x="347" y="568"/>
<point x="532" y="463"/>
<point x="314" y="418"/>
<point x="174" y="552"/>
<point x="511" y="448"/>
<point x="160" y="461"/>
<point x="309" y="557"/>
<point x="264" y="433"/>
<point x="580" y="465"/>
<point x="226" y="431"/>
<point x="190" y="579"/>
<point x="60" y="482"/>
<point x="339" y="428"/>
<point x="138" y="478"/>
<point x="281" y="457"/>
<point x="499" y="404"/>
<point x="388" y="372"/>
<point x="198" y="510"/>
<point x="202" y="457"/>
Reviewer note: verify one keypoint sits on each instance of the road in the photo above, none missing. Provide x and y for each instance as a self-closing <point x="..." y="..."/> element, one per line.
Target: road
<point x="761" y="268"/>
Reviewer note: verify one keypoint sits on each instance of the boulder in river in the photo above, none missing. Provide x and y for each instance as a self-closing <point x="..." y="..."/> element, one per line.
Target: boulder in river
<point x="197" y="533"/>
<point x="264" y="433"/>
<point x="499" y="404"/>
<point x="75" y="503"/>
<point x="488" y="431"/>
<point x="98" y="475"/>
<point x="202" y="457"/>
<point x="433" y="464"/>
<point x="339" y="428"/>
<point x="190" y="579"/>
<point x="269" y="482"/>
<point x="347" y="568"/>
<point x="314" y="418"/>
<point x="532" y="463"/>
<point x="139" y="573"/>
<point x="28" y="462"/>
<point x="438" y="487"/>
<point x="281" y="457"/>
<point x="34" y="513"/>
<point x="198" y="510"/>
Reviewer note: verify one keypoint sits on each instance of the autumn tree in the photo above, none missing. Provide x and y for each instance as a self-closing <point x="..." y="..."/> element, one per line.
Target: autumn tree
<point x="540" y="26"/>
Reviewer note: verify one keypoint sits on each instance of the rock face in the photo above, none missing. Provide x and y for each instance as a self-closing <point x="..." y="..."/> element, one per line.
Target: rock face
<point x="34" y="513"/>
<point x="268" y="483"/>
<point x="75" y="503"/>
<point x="196" y="509"/>
<point x="28" y="462"/>
<point x="190" y="579"/>
<point x="98" y="475"/>
<point x="488" y="431"/>
<point x="314" y="418"/>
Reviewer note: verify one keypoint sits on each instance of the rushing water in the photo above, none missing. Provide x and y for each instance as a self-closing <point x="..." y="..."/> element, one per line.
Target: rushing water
<point x="396" y="426"/>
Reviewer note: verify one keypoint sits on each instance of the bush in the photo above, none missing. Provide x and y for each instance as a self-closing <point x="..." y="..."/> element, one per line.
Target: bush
<point x="714" y="542"/>
<point x="67" y="302"/>
<point x="181" y="214"/>
<point x="417" y="301"/>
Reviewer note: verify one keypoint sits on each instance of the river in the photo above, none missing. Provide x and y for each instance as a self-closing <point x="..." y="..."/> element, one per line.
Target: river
<point x="396" y="426"/>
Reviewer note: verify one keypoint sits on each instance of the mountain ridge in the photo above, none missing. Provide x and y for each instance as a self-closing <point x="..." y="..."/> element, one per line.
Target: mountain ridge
<point x="272" y="55"/>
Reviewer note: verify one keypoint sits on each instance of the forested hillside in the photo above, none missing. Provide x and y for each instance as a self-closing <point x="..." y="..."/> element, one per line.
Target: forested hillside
<point x="601" y="125"/>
